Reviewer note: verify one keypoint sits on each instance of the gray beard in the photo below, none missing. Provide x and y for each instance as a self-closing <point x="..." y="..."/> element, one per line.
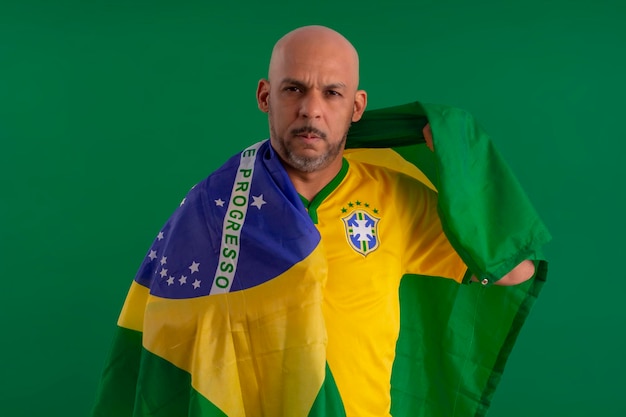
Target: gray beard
<point x="303" y="163"/>
<point x="312" y="164"/>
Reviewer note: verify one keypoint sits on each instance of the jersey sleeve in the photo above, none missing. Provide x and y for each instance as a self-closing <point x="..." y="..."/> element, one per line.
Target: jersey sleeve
<point x="427" y="249"/>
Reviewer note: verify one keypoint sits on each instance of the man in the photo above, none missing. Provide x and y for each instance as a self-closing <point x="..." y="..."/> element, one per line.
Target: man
<point x="314" y="99"/>
<point x="311" y="98"/>
<point x="303" y="249"/>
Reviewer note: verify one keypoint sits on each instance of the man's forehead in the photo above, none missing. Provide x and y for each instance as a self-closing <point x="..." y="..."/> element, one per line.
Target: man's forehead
<point x="311" y="71"/>
<point x="327" y="63"/>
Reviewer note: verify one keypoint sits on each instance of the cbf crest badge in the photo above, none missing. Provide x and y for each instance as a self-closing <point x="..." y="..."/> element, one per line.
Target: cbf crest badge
<point x="362" y="230"/>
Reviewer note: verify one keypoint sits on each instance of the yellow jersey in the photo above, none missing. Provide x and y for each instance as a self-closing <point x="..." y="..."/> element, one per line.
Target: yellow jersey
<point x="376" y="224"/>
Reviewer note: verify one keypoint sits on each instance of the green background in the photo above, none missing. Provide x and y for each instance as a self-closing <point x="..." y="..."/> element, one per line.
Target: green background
<point x="111" y="110"/>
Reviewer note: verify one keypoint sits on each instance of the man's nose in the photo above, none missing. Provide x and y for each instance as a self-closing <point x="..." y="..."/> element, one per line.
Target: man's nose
<point x="311" y="105"/>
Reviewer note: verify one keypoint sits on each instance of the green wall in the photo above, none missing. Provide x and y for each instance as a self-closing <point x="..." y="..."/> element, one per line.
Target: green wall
<point x="111" y="110"/>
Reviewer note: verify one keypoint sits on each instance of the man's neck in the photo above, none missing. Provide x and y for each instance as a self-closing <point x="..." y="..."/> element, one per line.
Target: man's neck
<point x="309" y="184"/>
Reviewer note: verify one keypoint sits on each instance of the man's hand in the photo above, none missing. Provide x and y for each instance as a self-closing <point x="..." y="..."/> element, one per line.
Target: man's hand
<point x="521" y="273"/>
<point x="428" y="136"/>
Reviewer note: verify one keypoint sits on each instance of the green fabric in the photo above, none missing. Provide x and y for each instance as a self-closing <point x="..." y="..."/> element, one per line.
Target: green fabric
<point x="166" y="390"/>
<point x="131" y="369"/>
<point x="484" y="211"/>
<point x="118" y="385"/>
<point x="455" y="339"/>
<point x="328" y="402"/>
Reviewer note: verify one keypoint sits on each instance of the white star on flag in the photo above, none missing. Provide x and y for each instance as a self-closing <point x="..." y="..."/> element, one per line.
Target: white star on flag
<point x="170" y="280"/>
<point x="182" y="280"/>
<point x="160" y="235"/>
<point x="258" y="201"/>
<point x="163" y="260"/>
<point x="163" y="273"/>
<point x="219" y="202"/>
<point x="152" y="255"/>
<point x="195" y="267"/>
<point x="196" y="284"/>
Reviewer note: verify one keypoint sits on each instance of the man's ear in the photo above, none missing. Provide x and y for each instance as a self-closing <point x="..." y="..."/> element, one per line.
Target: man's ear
<point x="360" y="102"/>
<point x="263" y="95"/>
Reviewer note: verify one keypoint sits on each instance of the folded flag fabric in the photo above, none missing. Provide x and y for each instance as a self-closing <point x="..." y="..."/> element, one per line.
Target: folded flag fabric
<point x="455" y="339"/>
<point x="226" y="320"/>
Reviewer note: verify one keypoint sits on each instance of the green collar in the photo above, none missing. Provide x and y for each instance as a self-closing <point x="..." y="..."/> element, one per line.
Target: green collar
<point x="312" y="205"/>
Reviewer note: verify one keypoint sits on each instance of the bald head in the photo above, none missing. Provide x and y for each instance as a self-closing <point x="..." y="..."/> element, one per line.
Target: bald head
<point x="308" y="44"/>
<point x="311" y="97"/>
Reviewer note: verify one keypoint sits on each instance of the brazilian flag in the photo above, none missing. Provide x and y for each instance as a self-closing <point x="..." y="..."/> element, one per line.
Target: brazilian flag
<point x="226" y="320"/>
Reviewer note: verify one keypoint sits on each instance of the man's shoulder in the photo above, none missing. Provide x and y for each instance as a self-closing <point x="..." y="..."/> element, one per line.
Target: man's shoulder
<point x="226" y="173"/>
<point x="387" y="165"/>
<point x="212" y="193"/>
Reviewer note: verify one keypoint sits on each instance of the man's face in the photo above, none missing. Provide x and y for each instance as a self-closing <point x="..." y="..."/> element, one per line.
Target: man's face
<point x="310" y="105"/>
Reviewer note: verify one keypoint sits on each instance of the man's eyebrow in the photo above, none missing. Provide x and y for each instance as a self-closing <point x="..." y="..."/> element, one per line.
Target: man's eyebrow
<point x="335" y="86"/>
<point x="300" y="84"/>
<point x="292" y="81"/>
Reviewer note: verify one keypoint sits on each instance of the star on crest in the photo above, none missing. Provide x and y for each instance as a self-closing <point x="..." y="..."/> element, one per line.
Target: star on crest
<point x="182" y="280"/>
<point x="152" y="255"/>
<point x="170" y="280"/>
<point x="163" y="273"/>
<point x="160" y="236"/>
<point x="219" y="202"/>
<point x="196" y="284"/>
<point x="163" y="260"/>
<point x="358" y="203"/>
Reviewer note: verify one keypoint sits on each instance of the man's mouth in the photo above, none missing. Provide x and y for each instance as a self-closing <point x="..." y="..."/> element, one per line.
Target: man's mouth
<point x="308" y="136"/>
<point x="309" y="133"/>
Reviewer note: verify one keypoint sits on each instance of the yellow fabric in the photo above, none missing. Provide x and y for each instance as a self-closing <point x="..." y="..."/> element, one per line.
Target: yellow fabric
<point x="132" y="313"/>
<point x="388" y="158"/>
<point x="336" y="306"/>
<point x="361" y="305"/>
<point x="209" y="337"/>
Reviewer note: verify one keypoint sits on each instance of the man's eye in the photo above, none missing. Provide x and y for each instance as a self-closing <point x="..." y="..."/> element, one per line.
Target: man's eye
<point x="292" y="89"/>
<point x="333" y="93"/>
